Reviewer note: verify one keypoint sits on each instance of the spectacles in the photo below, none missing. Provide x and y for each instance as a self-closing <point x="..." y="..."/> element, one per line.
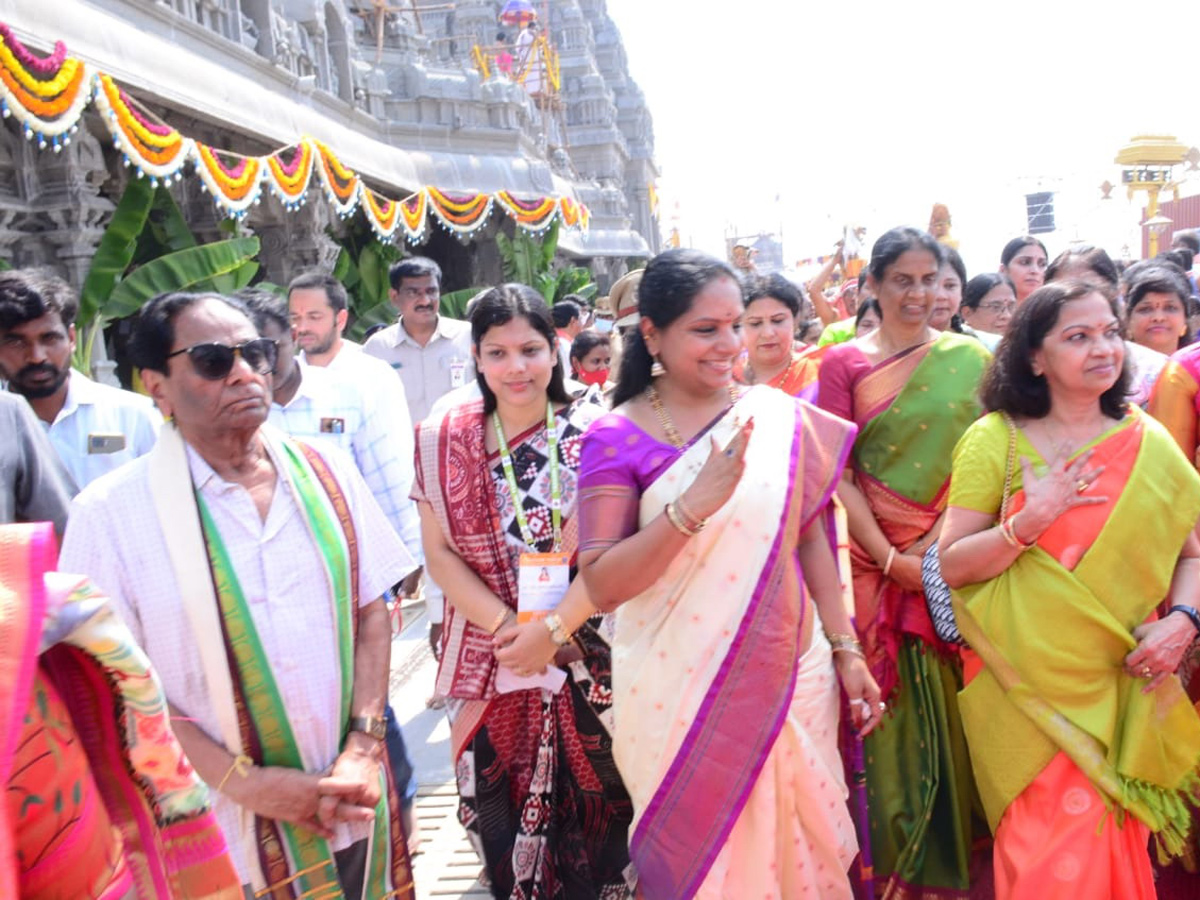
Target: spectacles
<point x="214" y="361"/>
<point x="995" y="306"/>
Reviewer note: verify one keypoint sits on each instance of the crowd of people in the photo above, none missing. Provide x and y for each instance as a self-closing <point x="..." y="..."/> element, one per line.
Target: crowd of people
<point x="737" y="587"/>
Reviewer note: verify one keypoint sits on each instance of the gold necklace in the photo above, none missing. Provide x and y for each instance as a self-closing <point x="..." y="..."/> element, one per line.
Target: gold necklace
<point x="664" y="417"/>
<point x="1066" y="446"/>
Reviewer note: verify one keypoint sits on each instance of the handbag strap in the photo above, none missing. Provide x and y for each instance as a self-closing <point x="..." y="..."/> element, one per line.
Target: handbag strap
<point x="1009" y="466"/>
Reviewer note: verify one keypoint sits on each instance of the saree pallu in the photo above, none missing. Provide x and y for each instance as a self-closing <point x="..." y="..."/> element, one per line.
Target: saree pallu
<point x="540" y="797"/>
<point x="101" y="802"/>
<point x="1175" y="401"/>
<point x="912" y="408"/>
<point x="705" y="663"/>
<point x="1053" y="702"/>
<point x="799" y="378"/>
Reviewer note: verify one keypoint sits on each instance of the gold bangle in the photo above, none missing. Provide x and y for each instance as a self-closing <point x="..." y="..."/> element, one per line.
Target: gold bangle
<point x="692" y="520"/>
<point x="856" y="651"/>
<point x="675" y="519"/>
<point x="891" y="558"/>
<point x="500" y="619"/>
<point x="241" y="764"/>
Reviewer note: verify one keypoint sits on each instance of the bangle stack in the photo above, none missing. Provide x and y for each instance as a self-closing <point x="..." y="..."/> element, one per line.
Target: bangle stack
<point x="681" y="517"/>
<point x="1008" y="532"/>
<point x="891" y="558"/>
<point x="846" y="643"/>
<point x="1188" y="611"/>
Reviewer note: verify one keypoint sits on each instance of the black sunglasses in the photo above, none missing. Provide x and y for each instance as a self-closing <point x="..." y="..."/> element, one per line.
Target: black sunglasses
<point x="214" y="361"/>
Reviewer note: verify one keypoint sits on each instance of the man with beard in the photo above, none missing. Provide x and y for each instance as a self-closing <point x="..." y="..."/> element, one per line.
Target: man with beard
<point x="93" y="427"/>
<point x="251" y="568"/>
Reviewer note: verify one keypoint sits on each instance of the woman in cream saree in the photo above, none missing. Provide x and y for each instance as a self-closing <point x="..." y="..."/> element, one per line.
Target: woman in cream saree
<point x="724" y="690"/>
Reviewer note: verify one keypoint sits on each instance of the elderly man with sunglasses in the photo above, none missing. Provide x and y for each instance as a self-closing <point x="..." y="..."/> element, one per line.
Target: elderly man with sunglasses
<point x="251" y="569"/>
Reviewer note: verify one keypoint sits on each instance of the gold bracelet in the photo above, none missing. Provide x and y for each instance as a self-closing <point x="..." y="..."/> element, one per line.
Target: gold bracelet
<point x="242" y="765"/>
<point x="856" y="651"/>
<point x="500" y="619"/>
<point x="558" y="632"/>
<point x="891" y="558"/>
<point x="675" y="519"/>
<point x="1008" y="532"/>
<point x="838" y="637"/>
<point x="693" y="521"/>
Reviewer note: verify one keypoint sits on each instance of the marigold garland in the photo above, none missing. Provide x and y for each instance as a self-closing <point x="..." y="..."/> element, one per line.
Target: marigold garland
<point x="532" y="215"/>
<point x="155" y="150"/>
<point x="289" y="181"/>
<point x="234" y="188"/>
<point x="460" y="213"/>
<point x="47" y="95"/>
<point x="341" y="184"/>
<point x="383" y="215"/>
<point x="414" y="212"/>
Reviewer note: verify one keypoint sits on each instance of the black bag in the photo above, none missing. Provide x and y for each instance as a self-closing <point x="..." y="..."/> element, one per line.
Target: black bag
<point x="937" y="592"/>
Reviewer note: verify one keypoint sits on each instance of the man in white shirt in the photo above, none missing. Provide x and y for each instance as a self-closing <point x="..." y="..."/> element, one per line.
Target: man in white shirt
<point x="252" y="569"/>
<point x="93" y="427"/>
<point x="431" y="352"/>
<point x="320" y="406"/>
<point x="319" y="310"/>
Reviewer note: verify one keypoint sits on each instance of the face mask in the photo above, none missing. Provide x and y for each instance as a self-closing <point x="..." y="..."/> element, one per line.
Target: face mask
<point x="604" y="326"/>
<point x="598" y="377"/>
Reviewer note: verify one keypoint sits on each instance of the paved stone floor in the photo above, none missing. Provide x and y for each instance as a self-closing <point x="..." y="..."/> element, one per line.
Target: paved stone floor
<point x="447" y="867"/>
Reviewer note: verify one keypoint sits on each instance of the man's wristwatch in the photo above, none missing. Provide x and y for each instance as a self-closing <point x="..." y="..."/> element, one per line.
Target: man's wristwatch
<point x="371" y="726"/>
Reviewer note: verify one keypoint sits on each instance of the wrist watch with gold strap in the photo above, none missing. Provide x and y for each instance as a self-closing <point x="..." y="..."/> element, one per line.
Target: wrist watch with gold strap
<point x="372" y="726"/>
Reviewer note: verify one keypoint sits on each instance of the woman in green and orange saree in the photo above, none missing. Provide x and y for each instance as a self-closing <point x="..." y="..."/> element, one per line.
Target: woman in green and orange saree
<point x="772" y="304"/>
<point x="1082" y="738"/>
<point x="100" y="802"/>
<point x="911" y="390"/>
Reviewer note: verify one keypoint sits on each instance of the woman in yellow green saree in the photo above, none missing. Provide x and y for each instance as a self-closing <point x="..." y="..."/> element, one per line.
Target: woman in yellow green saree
<point x="1082" y="739"/>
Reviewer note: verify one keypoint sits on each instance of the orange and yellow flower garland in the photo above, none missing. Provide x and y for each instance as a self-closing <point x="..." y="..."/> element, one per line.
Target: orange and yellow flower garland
<point x="48" y="95"/>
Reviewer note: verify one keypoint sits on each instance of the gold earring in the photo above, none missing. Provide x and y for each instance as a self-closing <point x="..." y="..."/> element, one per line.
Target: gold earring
<point x="657" y="370"/>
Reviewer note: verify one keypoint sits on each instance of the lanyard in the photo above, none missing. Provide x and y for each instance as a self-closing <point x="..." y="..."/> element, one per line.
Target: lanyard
<point x="511" y="478"/>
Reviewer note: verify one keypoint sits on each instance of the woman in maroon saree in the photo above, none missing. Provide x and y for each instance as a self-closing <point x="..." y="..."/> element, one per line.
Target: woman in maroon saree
<point x="539" y="794"/>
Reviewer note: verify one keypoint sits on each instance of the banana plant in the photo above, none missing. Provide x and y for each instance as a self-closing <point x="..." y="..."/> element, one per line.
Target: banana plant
<point x="148" y="249"/>
<point x="529" y="260"/>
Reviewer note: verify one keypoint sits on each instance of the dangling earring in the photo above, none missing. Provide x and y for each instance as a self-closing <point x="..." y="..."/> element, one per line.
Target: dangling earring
<point x="658" y="370"/>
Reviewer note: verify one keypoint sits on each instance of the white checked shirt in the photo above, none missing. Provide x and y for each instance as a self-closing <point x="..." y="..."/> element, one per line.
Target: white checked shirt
<point x="371" y="423"/>
<point x="113" y="535"/>
<point x="95" y="418"/>
<point x="427" y="372"/>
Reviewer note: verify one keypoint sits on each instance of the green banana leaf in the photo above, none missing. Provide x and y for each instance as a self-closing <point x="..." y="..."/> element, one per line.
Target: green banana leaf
<point x="548" y="244"/>
<point x="454" y="304"/>
<point x="116" y="248"/>
<point x="179" y="271"/>
<point x="234" y="281"/>
<point x="167" y="225"/>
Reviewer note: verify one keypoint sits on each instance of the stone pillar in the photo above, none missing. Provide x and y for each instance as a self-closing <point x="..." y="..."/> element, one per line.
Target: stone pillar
<point x="294" y="241"/>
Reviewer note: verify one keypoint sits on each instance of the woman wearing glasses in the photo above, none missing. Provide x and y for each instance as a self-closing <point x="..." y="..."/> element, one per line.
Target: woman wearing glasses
<point x="989" y="302"/>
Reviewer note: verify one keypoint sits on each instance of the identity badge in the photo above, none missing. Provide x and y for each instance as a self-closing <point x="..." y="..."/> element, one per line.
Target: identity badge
<point x="98" y="443"/>
<point x="458" y="372"/>
<point x="542" y="582"/>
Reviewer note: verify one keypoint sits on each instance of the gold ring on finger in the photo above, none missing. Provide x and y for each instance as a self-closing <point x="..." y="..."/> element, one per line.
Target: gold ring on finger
<point x="1081" y="486"/>
<point x="1146" y="672"/>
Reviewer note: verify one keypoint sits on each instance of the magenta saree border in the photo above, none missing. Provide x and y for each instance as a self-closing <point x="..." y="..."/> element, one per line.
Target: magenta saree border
<point x="688" y="820"/>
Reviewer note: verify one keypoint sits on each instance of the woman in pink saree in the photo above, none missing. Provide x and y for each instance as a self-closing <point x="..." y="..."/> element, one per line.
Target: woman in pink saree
<point x="703" y="521"/>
